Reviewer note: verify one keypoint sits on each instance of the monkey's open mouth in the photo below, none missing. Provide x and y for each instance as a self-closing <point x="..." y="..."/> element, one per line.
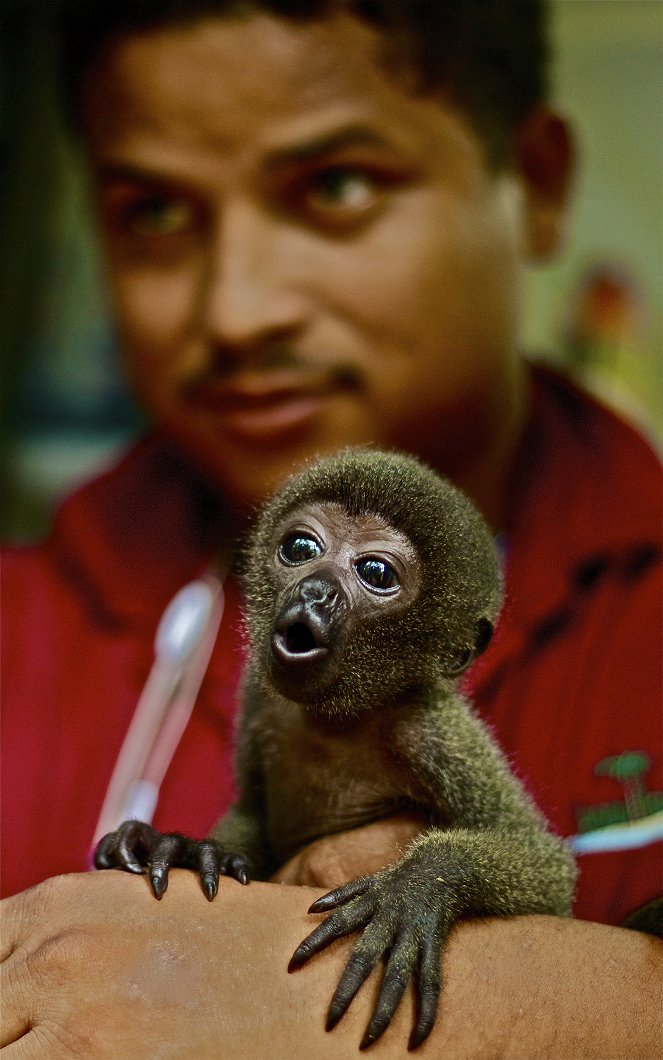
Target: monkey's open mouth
<point x="297" y="643"/>
<point x="299" y="638"/>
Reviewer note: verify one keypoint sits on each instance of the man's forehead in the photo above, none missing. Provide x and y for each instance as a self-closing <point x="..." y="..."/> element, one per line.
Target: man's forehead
<point x="294" y="88"/>
<point x="216" y="56"/>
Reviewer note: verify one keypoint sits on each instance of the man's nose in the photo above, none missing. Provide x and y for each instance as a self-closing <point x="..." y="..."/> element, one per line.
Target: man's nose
<point x="251" y="292"/>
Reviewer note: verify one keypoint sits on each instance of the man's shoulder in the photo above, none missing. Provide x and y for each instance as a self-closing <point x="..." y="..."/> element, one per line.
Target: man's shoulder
<point x="587" y="497"/>
<point x="593" y="465"/>
<point x="127" y="539"/>
<point x="584" y="419"/>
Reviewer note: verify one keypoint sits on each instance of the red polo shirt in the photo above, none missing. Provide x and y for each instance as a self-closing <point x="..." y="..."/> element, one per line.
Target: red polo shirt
<point x="571" y="686"/>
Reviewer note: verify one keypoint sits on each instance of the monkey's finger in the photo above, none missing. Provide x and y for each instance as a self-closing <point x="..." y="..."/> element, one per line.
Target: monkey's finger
<point x="237" y="866"/>
<point x="340" y="895"/>
<point x="398" y="974"/>
<point x="135" y="841"/>
<point x="208" y="858"/>
<point x="163" y="858"/>
<point x="334" y="927"/>
<point x="427" y="991"/>
<point x="357" y="970"/>
<point x="124" y="847"/>
<point x="105" y="853"/>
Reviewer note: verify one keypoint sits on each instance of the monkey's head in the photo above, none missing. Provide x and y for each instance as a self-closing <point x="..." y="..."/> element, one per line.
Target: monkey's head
<point x="366" y="576"/>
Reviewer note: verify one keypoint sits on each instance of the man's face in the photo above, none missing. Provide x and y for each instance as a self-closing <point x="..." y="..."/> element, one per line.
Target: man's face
<point x="302" y="254"/>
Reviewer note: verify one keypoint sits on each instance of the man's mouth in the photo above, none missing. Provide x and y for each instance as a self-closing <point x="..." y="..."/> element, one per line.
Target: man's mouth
<point x="256" y="407"/>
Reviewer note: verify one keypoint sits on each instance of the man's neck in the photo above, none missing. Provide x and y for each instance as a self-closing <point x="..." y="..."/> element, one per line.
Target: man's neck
<point x="487" y="481"/>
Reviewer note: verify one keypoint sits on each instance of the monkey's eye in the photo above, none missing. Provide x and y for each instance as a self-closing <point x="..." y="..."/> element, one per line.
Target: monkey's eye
<point x="377" y="574"/>
<point x="299" y="548"/>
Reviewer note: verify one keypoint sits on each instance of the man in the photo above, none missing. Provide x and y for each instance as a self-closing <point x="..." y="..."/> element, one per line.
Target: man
<point x="315" y="223"/>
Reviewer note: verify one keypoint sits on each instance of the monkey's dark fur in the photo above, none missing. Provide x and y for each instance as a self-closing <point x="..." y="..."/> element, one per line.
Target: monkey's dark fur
<point x="351" y="712"/>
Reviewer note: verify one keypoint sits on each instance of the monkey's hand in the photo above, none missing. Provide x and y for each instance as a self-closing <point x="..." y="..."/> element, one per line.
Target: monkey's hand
<point x="406" y="913"/>
<point x="138" y="847"/>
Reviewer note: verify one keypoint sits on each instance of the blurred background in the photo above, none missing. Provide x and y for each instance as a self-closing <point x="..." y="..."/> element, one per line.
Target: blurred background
<point x="598" y="312"/>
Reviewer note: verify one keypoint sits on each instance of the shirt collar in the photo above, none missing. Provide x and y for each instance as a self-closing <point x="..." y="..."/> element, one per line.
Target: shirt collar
<point x="133" y="536"/>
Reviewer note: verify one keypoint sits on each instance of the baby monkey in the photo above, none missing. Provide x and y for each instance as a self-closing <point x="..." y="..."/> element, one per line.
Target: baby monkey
<point x="371" y="585"/>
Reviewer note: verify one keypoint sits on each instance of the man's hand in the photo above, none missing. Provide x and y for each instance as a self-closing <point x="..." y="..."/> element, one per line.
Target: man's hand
<point x="94" y="967"/>
<point x="336" y="859"/>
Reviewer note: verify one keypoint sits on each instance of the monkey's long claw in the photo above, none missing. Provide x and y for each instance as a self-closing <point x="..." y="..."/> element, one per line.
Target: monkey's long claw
<point x="396" y="978"/>
<point x="427" y="991"/>
<point x="167" y="852"/>
<point x="340" y="895"/>
<point x="238" y="867"/>
<point x="207" y="864"/>
<point x="357" y="971"/>
<point x="212" y="861"/>
<point x="343" y="922"/>
<point x="159" y="882"/>
<point x="106" y="856"/>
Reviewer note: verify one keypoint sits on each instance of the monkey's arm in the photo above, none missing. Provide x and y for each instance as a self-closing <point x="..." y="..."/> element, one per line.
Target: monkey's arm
<point x="493" y="857"/>
<point x="242" y="827"/>
<point x="493" y="825"/>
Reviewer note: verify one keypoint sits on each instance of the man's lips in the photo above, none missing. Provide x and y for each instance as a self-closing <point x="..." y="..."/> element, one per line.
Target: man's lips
<point x="257" y="407"/>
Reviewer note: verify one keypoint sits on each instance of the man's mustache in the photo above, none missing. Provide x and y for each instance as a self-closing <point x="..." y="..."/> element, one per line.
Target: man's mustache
<point x="281" y="359"/>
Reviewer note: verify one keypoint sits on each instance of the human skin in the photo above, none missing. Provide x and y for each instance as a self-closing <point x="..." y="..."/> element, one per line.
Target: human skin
<point x="302" y="254"/>
<point x="94" y="967"/>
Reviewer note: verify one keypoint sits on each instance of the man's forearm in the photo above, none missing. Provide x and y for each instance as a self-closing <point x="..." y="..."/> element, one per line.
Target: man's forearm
<point x="97" y="967"/>
<point x="536" y="986"/>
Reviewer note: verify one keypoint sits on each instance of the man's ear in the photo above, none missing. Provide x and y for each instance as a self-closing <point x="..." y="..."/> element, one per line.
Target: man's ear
<point x="544" y="158"/>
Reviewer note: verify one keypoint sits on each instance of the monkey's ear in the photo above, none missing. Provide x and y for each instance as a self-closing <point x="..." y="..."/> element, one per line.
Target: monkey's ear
<point x="484" y="634"/>
<point x="485" y="631"/>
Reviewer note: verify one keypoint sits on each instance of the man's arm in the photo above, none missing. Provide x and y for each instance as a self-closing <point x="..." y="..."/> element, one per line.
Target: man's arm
<point x="94" y="966"/>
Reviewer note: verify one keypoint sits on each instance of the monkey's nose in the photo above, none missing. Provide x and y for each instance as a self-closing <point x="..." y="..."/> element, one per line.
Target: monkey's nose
<point x="317" y="591"/>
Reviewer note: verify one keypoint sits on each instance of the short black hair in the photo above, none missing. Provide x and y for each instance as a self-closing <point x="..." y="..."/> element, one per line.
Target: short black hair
<point x="488" y="56"/>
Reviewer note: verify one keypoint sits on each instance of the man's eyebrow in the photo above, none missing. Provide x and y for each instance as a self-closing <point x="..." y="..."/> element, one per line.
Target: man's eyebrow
<point x="109" y="171"/>
<point x="120" y="172"/>
<point x="320" y="146"/>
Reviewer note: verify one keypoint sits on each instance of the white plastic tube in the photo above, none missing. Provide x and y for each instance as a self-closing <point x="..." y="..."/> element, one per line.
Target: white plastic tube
<point x="183" y="644"/>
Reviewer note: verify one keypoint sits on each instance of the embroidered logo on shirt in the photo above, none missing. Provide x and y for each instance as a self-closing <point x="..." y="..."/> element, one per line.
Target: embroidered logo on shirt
<point x="634" y="821"/>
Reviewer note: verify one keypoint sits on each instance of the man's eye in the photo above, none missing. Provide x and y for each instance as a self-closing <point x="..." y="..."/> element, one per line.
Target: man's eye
<point x="299" y="548"/>
<point x="377" y="574"/>
<point x="155" y="216"/>
<point x="340" y="188"/>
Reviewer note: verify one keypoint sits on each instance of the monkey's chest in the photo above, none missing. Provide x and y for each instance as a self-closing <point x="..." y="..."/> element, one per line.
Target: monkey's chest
<point x="320" y="782"/>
